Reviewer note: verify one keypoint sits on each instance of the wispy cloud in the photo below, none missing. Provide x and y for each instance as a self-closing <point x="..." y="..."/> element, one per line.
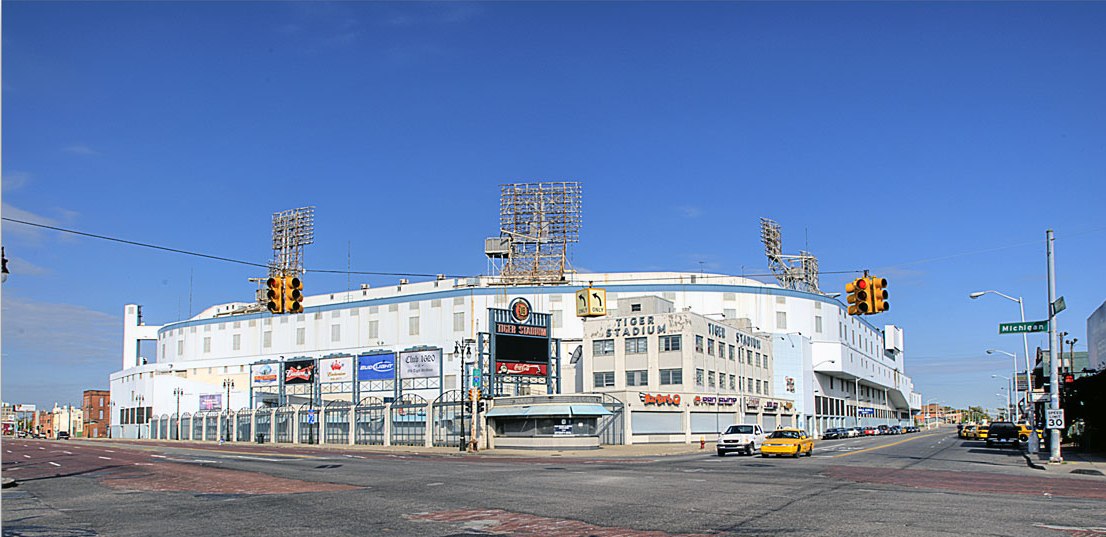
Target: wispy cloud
<point x="689" y="211"/>
<point x="57" y="335"/>
<point x="19" y="266"/>
<point x="81" y="149"/>
<point x="451" y="13"/>
<point x="14" y="180"/>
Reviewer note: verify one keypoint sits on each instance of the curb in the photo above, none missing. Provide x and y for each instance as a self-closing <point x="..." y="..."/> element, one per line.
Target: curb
<point x="1030" y="463"/>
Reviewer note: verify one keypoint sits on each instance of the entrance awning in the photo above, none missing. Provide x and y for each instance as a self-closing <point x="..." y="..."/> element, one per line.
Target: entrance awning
<point x="548" y="410"/>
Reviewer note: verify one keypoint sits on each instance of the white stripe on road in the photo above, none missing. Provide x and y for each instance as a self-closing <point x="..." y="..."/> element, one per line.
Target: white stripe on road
<point x="158" y="456"/>
<point x="109" y="451"/>
<point x="105" y="458"/>
<point x="54" y="463"/>
<point x="8" y="450"/>
<point x="249" y="458"/>
<point x="26" y="456"/>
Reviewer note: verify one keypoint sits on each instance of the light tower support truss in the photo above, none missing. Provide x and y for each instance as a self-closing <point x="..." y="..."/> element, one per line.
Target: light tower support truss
<point x="292" y="230"/>
<point x="538" y="221"/>
<point x="798" y="272"/>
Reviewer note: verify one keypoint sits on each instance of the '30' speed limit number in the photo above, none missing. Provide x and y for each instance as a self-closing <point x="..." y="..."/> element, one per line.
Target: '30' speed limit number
<point x="1054" y="419"/>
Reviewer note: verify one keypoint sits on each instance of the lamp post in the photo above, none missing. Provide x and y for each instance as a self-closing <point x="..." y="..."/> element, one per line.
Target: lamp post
<point x="1009" y="410"/>
<point x="228" y="385"/>
<point x="178" y="391"/>
<point x="140" y="399"/>
<point x="1014" y="364"/>
<point x="1032" y="446"/>
<point x="929" y="402"/>
<point x="463" y="351"/>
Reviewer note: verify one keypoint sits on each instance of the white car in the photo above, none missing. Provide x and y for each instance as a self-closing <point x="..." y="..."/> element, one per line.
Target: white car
<point x="742" y="437"/>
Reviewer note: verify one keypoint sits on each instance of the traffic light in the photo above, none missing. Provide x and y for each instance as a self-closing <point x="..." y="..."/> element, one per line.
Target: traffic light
<point x="879" y="295"/>
<point x="859" y="296"/>
<point x="293" y="295"/>
<point x="275" y="297"/>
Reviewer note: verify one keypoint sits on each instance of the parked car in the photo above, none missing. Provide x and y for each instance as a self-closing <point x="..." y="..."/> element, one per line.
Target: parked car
<point x="981" y="432"/>
<point x="896" y="429"/>
<point x="789" y="441"/>
<point x="871" y="431"/>
<point x="883" y="429"/>
<point x="743" y="437"/>
<point x="969" y="432"/>
<point x="835" y="433"/>
<point x="855" y="432"/>
<point x="22" y="434"/>
<point x="1023" y="432"/>
<point x="62" y="435"/>
<point x="1002" y="433"/>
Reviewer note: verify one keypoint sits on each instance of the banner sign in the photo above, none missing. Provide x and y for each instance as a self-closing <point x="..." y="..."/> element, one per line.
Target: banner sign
<point x="336" y="369"/>
<point x="420" y="364"/>
<point x="752" y="402"/>
<point x="263" y="375"/>
<point x="376" y="367"/>
<point x="25" y="408"/>
<point x="211" y="401"/>
<point x="299" y="372"/>
<point x="519" y="368"/>
<point x="659" y="399"/>
<point x="865" y="411"/>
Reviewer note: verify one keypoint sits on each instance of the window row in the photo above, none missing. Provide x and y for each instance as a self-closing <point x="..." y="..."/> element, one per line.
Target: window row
<point x="637" y="377"/>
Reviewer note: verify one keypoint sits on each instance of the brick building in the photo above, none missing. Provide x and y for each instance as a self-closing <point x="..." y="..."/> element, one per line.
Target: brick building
<point x="97" y="413"/>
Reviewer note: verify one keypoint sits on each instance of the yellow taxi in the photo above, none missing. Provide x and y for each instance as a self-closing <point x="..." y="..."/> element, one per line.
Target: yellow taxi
<point x="1023" y="432"/>
<point x="981" y="432"/>
<point x="969" y="432"/>
<point x="788" y="441"/>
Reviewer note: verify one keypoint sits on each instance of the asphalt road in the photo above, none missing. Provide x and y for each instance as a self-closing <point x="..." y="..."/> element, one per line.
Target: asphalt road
<point x="922" y="484"/>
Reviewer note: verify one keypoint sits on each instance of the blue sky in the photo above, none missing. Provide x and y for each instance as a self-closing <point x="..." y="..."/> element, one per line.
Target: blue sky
<point x="933" y="143"/>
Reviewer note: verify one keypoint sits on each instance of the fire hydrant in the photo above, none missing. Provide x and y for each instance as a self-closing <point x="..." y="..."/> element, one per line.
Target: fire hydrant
<point x="702" y="442"/>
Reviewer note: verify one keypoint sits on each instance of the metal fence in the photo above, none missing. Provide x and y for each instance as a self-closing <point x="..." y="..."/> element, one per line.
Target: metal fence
<point x="283" y="420"/>
<point x="450" y="420"/>
<point x="368" y="424"/>
<point x="242" y="430"/>
<point x="408" y="421"/>
<point x="336" y="426"/>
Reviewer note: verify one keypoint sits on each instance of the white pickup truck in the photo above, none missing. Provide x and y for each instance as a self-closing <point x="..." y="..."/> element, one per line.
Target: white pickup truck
<point x="742" y="437"/>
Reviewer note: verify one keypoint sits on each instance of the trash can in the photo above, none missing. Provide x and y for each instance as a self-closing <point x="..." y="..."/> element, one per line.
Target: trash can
<point x="260" y="438"/>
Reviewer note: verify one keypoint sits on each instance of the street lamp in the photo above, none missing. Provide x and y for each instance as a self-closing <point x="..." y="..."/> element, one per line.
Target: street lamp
<point x="1009" y="392"/>
<point x="930" y="402"/>
<point x="463" y="351"/>
<point x="140" y="399"/>
<point x="1014" y="363"/>
<point x="228" y="385"/>
<point x="178" y="391"/>
<point x="1032" y="446"/>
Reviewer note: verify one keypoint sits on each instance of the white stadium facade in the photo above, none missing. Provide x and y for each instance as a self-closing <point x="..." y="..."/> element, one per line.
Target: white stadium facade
<point x="215" y="376"/>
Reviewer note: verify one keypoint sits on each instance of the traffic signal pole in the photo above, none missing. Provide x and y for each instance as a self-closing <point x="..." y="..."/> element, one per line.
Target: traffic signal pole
<point x="1054" y="369"/>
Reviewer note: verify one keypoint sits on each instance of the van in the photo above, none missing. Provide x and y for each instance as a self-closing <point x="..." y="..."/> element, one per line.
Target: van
<point x="745" y="438"/>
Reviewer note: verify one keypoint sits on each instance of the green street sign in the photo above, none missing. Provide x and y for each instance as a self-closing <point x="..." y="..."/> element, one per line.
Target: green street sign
<point x="1023" y="328"/>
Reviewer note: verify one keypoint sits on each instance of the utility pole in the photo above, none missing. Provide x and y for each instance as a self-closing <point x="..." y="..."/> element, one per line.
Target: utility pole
<point x="1054" y="366"/>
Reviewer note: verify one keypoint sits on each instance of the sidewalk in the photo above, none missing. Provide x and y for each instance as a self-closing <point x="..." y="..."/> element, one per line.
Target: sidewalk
<point x="636" y="451"/>
<point x="1076" y="461"/>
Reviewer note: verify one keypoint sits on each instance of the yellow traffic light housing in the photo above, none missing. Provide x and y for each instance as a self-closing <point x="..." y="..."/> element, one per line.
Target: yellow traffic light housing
<point x="275" y="301"/>
<point x="860" y="298"/>
<point x="879" y="295"/>
<point x="293" y="295"/>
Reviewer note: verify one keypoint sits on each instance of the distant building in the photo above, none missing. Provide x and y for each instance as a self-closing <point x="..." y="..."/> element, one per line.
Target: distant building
<point x="97" y="413"/>
<point x="1096" y="339"/>
<point x="68" y="418"/>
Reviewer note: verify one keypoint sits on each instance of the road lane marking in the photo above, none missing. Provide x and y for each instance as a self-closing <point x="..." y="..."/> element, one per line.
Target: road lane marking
<point x="67" y="452"/>
<point x="105" y="458"/>
<point x="873" y="448"/>
<point x="42" y="448"/>
<point x="8" y="450"/>
<point x="434" y="484"/>
<point x="109" y="451"/>
<point x="249" y="458"/>
<point x="12" y="469"/>
<point x="26" y="456"/>
<point x="54" y="463"/>
<point x="159" y="456"/>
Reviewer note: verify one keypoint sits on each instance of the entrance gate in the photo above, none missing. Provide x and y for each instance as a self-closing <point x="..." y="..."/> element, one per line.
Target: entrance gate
<point x="308" y="431"/>
<point x="336" y="427"/>
<point x="174" y="427"/>
<point x="368" y="418"/>
<point x="451" y="422"/>
<point x="242" y="430"/>
<point x="186" y="426"/>
<point x="611" y="428"/>
<point x="263" y="422"/>
<point x="211" y="425"/>
<point x="408" y="421"/>
<point x="283" y="419"/>
<point x="197" y="426"/>
<point x="163" y="427"/>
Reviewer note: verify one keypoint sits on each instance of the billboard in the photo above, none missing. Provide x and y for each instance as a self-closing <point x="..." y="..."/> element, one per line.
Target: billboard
<point x="211" y="401"/>
<point x="336" y="369"/>
<point x="420" y="364"/>
<point x="376" y="367"/>
<point x="263" y="375"/>
<point x="517" y="368"/>
<point x="299" y="372"/>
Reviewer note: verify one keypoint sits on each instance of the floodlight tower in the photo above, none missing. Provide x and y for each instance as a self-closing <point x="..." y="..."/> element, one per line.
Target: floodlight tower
<point x="792" y="271"/>
<point x="537" y="222"/>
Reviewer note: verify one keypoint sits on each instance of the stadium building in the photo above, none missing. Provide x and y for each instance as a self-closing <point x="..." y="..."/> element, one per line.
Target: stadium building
<point x="676" y="357"/>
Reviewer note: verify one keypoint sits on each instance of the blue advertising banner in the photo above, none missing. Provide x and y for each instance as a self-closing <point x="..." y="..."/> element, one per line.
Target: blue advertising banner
<point x="376" y="367"/>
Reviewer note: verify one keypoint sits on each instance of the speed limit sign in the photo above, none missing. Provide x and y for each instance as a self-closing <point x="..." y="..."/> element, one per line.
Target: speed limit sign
<point x="1054" y="419"/>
